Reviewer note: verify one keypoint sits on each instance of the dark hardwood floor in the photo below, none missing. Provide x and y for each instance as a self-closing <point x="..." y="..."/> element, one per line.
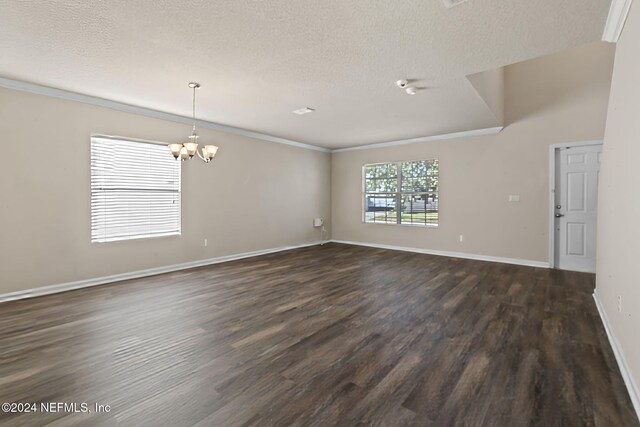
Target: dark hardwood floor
<point x="328" y="335"/>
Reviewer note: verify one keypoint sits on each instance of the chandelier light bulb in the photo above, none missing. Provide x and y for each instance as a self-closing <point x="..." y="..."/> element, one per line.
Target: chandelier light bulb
<point x="208" y="152"/>
<point x="175" y="150"/>
<point x="211" y="150"/>
<point x="191" y="147"/>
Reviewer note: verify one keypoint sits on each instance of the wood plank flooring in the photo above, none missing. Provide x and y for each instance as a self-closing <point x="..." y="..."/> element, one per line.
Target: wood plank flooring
<point x="321" y="336"/>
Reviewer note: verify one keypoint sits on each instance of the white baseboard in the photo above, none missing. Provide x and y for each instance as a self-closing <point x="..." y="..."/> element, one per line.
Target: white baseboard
<point x="632" y="387"/>
<point x="63" y="287"/>
<point x="464" y="255"/>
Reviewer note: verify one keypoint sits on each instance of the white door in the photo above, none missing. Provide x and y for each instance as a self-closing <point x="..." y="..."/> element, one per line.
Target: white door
<point x="576" y="207"/>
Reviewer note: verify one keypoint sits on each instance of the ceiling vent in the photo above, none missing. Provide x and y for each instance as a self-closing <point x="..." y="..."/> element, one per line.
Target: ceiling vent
<point x="305" y="110"/>
<point x="450" y="3"/>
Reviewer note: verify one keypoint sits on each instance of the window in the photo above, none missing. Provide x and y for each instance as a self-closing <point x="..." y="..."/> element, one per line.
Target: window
<point x="135" y="190"/>
<point x="401" y="193"/>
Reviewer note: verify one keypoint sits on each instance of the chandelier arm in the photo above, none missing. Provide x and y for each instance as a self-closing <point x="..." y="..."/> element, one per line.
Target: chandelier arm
<point x="201" y="157"/>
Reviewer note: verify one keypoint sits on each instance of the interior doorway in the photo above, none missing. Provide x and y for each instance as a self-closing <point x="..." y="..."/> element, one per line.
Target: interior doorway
<point x="574" y="205"/>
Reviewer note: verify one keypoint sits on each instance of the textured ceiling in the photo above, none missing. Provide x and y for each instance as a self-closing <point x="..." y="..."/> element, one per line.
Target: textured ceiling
<point x="259" y="60"/>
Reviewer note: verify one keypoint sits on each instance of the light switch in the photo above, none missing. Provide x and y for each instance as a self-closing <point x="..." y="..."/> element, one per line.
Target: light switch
<point x="514" y="197"/>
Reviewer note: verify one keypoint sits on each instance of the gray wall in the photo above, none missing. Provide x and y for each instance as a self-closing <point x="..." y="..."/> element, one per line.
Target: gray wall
<point x="619" y="203"/>
<point x="554" y="99"/>
<point x="255" y="195"/>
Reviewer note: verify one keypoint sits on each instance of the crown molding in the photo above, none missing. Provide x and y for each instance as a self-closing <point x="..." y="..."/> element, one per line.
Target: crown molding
<point x="454" y="135"/>
<point x="615" y="21"/>
<point x="147" y="112"/>
<point x="161" y="115"/>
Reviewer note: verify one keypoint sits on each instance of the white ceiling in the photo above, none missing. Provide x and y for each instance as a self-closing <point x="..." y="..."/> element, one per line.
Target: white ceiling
<point x="259" y="60"/>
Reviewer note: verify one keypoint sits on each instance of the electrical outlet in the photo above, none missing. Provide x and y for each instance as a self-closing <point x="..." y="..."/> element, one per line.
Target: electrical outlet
<point x="206" y="242"/>
<point x="461" y="238"/>
<point x="619" y="303"/>
<point x="514" y="197"/>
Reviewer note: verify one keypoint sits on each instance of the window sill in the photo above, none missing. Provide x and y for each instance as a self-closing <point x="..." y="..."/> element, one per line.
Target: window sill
<point x="136" y="239"/>
<point x="402" y="225"/>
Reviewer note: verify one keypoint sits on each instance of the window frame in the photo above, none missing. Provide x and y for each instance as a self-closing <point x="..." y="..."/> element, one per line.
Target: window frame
<point x="91" y="192"/>
<point x="398" y="194"/>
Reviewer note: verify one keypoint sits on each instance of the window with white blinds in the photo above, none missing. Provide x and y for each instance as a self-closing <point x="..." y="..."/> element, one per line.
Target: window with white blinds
<point x="135" y="190"/>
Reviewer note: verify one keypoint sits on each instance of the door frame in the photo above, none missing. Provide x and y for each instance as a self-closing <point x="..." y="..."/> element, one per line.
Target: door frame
<point x="553" y="148"/>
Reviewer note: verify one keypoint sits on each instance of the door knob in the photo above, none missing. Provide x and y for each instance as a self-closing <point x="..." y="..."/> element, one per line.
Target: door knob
<point x="559" y="215"/>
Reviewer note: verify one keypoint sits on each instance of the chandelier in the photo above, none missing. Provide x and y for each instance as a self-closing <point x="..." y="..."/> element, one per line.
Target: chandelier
<point x="187" y="150"/>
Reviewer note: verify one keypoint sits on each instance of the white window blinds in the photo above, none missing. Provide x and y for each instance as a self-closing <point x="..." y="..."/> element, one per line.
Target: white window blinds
<point x="135" y="190"/>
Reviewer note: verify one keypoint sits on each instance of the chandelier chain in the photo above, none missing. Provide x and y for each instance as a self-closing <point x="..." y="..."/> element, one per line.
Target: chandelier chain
<point x="194" y="104"/>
